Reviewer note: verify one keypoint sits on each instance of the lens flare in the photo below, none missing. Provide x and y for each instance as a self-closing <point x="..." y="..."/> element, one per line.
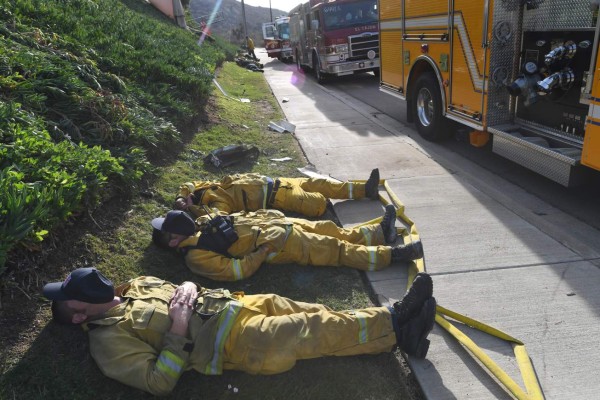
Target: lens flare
<point x="206" y="28"/>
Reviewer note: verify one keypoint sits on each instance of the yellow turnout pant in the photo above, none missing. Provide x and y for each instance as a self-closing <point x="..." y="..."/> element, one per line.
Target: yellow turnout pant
<point x="323" y="244"/>
<point x="368" y="235"/>
<point x="308" y="196"/>
<point x="272" y="332"/>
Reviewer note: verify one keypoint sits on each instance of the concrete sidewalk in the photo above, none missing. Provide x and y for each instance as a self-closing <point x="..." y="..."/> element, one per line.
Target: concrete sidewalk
<point x="496" y="253"/>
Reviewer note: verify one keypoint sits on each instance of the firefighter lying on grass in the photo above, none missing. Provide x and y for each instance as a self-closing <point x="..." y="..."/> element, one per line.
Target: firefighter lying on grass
<point x="251" y="192"/>
<point x="230" y="248"/>
<point x="147" y="332"/>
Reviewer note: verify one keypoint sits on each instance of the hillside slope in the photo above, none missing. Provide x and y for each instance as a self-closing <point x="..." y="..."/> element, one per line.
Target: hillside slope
<point x="90" y="92"/>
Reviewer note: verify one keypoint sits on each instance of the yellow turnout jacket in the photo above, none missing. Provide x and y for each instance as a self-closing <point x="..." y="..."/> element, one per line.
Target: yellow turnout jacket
<point x="132" y="344"/>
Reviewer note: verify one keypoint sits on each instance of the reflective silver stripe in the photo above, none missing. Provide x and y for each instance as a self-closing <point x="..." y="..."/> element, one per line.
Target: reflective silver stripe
<point x="350" y="190"/>
<point x="469" y="55"/>
<point x="424" y="22"/>
<point x="372" y="258"/>
<point x="226" y="320"/>
<point x="594" y="110"/>
<point x="238" y="272"/>
<point x="363" y="334"/>
<point x="265" y="192"/>
<point x="170" y="363"/>
<point x="390" y="25"/>
<point x="367" y="234"/>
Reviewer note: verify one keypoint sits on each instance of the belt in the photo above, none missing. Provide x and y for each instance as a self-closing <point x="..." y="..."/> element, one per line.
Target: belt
<point x="272" y="187"/>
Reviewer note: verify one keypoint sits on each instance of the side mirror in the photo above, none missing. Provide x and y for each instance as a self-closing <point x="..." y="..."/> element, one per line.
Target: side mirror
<point x="314" y="24"/>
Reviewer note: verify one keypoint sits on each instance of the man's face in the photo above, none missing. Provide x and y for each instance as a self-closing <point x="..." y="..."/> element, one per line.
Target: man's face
<point x="80" y="311"/>
<point x="175" y="239"/>
<point x="181" y="204"/>
<point x="77" y="306"/>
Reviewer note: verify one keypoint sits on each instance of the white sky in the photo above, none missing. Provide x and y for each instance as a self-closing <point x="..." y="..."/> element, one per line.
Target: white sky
<point x="285" y="5"/>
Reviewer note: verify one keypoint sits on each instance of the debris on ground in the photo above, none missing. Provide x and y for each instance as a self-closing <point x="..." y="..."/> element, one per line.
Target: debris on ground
<point x="311" y="172"/>
<point x="228" y="96"/>
<point x="227" y="155"/>
<point x="282" y="126"/>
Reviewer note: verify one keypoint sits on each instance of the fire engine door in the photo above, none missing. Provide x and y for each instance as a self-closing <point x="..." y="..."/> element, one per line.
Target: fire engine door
<point x="268" y="29"/>
<point x="313" y="34"/>
<point x="423" y="23"/>
<point x="301" y="36"/>
<point x="468" y="59"/>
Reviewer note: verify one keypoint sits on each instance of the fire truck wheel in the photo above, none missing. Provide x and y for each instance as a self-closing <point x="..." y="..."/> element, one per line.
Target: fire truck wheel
<point x="427" y="109"/>
<point x="318" y="74"/>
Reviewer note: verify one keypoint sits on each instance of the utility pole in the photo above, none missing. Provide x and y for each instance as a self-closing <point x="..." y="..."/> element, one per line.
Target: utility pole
<point x="179" y="14"/>
<point x="270" y="11"/>
<point x="244" y="18"/>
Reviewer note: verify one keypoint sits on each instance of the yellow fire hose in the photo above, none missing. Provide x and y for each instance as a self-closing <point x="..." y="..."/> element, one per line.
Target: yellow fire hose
<point x="532" y="386"/>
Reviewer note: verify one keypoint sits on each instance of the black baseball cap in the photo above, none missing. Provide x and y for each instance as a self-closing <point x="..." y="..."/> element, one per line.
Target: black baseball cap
<point x="177" y="222"/>
<point x="83" y="284"/>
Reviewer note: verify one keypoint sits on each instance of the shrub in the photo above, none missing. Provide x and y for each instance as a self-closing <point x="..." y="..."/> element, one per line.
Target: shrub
<point x="22" y="208"/>
<point x="154" y="54"/>
<point x="43" y="182"/>
<point x="87" y="89"/>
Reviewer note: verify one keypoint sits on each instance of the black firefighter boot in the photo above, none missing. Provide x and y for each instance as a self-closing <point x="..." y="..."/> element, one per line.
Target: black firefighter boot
<point x="408" y="252"/>
<point x="413" y="334"/>
<point x="388" y="224"/>
<point x="372" y="185"/>
<point x="420" y="290"/>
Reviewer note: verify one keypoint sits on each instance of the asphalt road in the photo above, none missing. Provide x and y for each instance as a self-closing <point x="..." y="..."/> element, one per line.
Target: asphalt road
<point x="580" y="202"/>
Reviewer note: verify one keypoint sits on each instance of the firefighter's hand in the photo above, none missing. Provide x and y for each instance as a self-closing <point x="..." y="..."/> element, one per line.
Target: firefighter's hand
<point x="181" y="307"/>
<point x="267" y="248"/>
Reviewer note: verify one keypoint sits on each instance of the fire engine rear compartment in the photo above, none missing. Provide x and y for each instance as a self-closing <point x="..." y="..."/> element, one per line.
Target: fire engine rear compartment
<point x="531" y="65"/>
<point x="544" y="129"/>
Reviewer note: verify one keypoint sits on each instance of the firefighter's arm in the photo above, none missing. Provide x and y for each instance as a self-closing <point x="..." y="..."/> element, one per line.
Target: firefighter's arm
<point x="186" y="189"/>
<point x="128" y="359"/>
<point x="274" y="237"/>
<point x="221" y="268"/>
<point x="221" y="206"/>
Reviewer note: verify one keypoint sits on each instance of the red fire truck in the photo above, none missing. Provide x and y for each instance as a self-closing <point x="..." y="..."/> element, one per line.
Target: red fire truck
<point x="335" y="37"/>
<point x="276" y="37"/>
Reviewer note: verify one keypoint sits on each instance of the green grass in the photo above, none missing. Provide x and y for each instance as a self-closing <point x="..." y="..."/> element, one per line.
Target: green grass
<point x="92" y="92"/>
<point x="47" y="361"/>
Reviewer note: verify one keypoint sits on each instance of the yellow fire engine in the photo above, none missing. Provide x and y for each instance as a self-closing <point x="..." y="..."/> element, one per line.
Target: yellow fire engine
<point x="521" y="73"/>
